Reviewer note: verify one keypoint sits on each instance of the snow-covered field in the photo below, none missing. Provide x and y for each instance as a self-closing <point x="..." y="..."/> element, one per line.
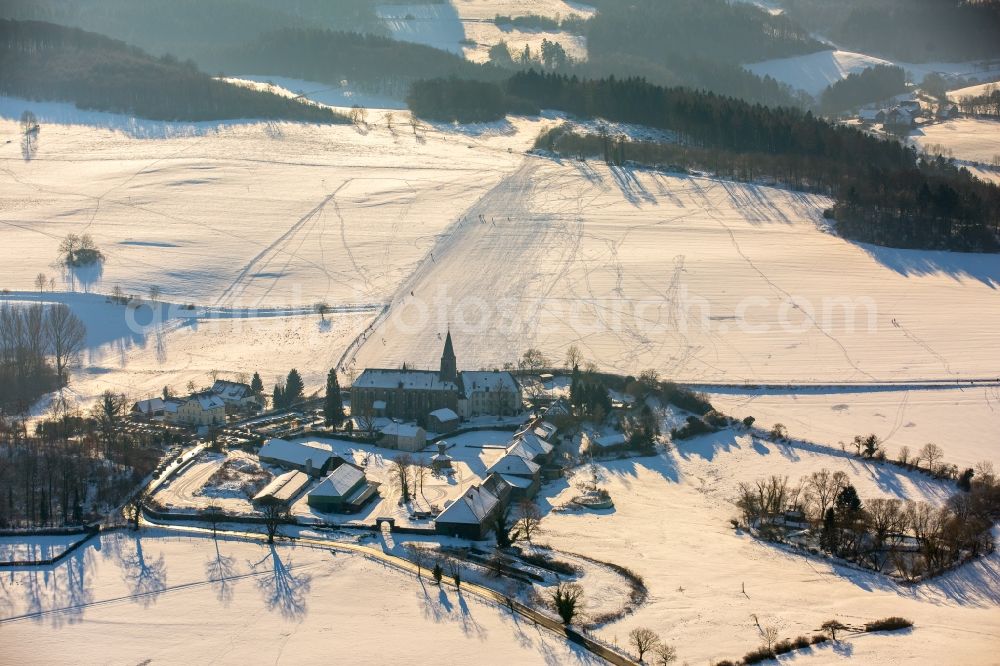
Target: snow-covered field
<point x="670" y="525"/>
<point x="35" y="548"/>
<point x="704" y="280"/>
<point x="466" y="27"/>
<point x="970" y="139"/>
<point x="169" y="599"/>
<point x="247" y="214"/>
<point x="815" y="71"/>
<point x="964" y="422"/>
<point x="973" y="91"/>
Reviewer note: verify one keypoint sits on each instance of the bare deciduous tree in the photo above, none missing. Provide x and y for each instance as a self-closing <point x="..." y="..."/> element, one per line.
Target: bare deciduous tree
<point x="66" y="335"/>
<point x="275" y="514"/>
<point x="399" y="470"/>
<point x="529" y="519"/>
<point x="665" y="655"/>
<point x="931" y="453"/>
<point x="41" y="281"/>
<point x="643" y="640"/>
<point x="574" y="357"/>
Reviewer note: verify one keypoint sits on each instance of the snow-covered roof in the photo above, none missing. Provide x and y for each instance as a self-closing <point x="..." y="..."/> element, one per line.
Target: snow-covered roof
<point x="171" y="406"/>
<point x="514" y="464"/>
<point x="444" y="414"/>
<point x="614" y="439"/>
<point x="530" y="446"/>
<point x="206" y="401"/>
<point x="471" y="508"/>
<point x="426" y="380"/>
<point x="283" y="486"/>
<point x="150" y="406"/>
<point x="402" y="429"/>
<point x="297" y="453"/>
<point x="516" y="481"/>
<point x="488" y="382"/>
<point x="339" y="482"/>
<point x="231" y="391"/>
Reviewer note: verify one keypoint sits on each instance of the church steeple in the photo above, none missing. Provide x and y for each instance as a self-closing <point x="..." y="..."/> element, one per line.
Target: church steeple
<point x="449" y="364"/>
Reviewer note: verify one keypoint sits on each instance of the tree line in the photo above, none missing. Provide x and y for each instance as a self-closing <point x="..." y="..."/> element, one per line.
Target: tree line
<point x="883" y="193"/>
<point x="43" y="61"/>
<point x="196" y="28"/>
<point x="987" y="104"/>
<point x="872" y="84"/>
<point x="38" y="343"/>
<point x="908" y="30"/>
<point x="74" y="467"/>
<point x="909" y="538"/>
<point x="330" y="56"/>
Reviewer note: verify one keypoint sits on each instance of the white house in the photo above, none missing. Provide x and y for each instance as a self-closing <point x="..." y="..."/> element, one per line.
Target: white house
<point x="198" y="409"/>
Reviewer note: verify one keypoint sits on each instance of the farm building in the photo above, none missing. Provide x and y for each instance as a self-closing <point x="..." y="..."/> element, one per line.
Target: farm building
<point x="345" y="490"/>
<point x="403" y="436"/>
<point x="470" y="516"/>
<point x="523" y="476"/>
<point x="283" y="488"/>
<point x="313" y="458"/>
<point x="442" y="420"/>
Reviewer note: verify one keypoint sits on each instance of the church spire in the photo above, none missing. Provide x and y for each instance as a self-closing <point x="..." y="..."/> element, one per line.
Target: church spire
<point x="449" y="364"/>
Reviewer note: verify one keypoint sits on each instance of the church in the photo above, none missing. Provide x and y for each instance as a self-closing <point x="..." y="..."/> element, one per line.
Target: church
<point x="412" y="395"/>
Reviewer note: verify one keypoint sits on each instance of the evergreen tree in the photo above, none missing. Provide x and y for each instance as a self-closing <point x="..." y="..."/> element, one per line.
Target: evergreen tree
<point x="438" y="573"/>
<point x="278" y="398"/>
<point x="333" y="407"/>
<point x="828" y="537"/>
<point x="293" y="387"/>
<point x="848" y="503"/>
<point x="256" y="384"/>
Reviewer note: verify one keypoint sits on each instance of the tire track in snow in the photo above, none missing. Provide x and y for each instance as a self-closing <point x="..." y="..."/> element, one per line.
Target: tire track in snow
<point x="271" y="250"/>
<point x="780" y="290"/>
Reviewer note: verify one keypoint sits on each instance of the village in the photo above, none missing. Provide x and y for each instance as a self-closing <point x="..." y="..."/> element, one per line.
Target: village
<point x="436" y="452"/>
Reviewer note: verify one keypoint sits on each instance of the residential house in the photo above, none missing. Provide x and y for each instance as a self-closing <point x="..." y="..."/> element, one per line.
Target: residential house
<point x="236" y="394"/>
<point x="198" y="409"/>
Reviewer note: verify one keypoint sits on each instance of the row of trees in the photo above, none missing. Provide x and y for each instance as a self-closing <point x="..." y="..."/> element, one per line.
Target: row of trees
<point x="45" y="61"/>
<point x="914" y="538"/>
<point x="38" y="344"/>
<point x="987" y="104"/>
<point x="907" y="30"/>
<point x="883" y="193"/>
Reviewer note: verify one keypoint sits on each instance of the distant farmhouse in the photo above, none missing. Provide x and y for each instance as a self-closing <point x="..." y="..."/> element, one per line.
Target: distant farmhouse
<point x="435" y="398"/>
